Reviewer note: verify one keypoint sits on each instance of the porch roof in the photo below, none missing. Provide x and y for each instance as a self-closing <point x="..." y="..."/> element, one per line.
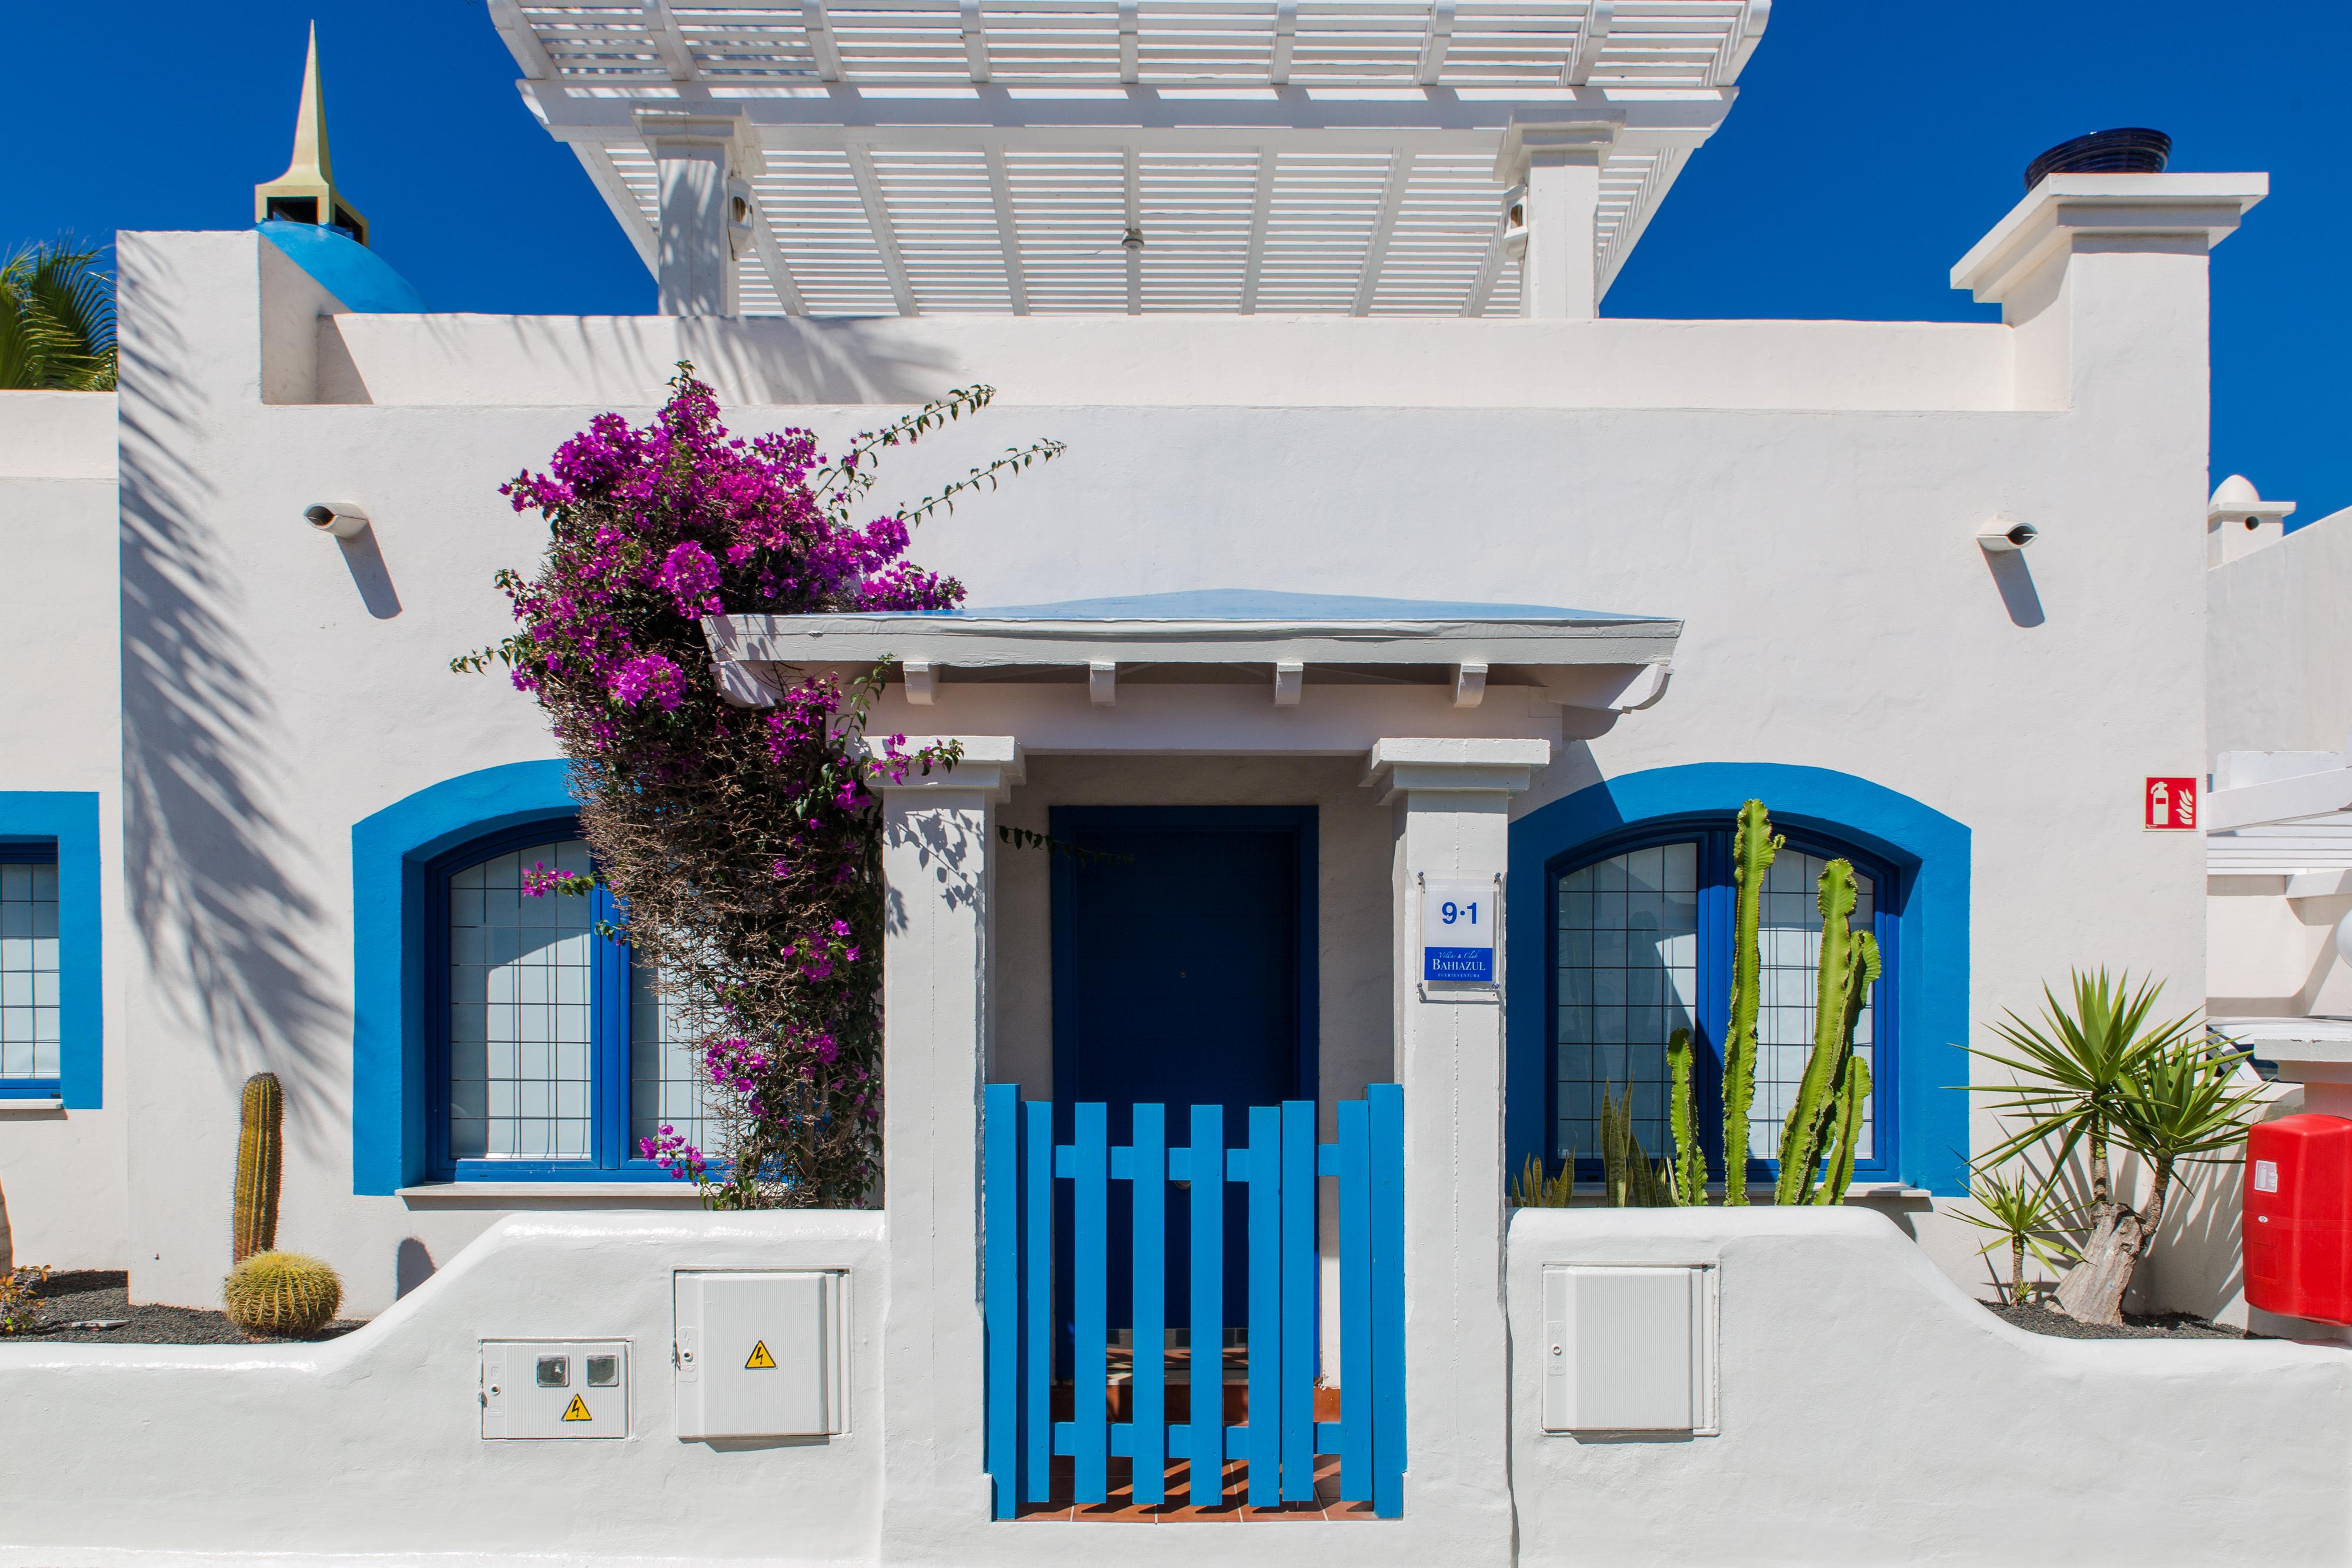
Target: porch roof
<point x="1585" y="657"/>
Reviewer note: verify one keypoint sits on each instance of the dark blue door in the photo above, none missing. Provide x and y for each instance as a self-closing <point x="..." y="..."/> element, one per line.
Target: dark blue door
<point x="1183" y="975"/>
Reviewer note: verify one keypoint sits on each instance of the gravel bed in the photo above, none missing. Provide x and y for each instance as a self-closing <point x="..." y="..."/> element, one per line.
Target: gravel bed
<point x="2136" y="1325"/>
<point x="93" y="1295"/>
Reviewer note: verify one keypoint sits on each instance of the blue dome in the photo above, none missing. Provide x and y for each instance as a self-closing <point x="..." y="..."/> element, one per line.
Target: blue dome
<point x="344" y="267"/>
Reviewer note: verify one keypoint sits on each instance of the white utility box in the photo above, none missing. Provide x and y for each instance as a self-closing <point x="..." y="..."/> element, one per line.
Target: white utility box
<point x="762" y="1354"/>
<point x="1629" y="1349"/>
<point x="555" y="1388"/>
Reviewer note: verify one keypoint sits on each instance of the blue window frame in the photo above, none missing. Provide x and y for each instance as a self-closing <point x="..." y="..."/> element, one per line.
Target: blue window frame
<point x="32" y="1035"/>
<point x="554" y="1054"/>
<point x="1640" y="939"/>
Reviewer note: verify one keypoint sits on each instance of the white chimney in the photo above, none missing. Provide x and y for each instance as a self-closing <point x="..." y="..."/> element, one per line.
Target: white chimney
<point x="2238" y="521"/>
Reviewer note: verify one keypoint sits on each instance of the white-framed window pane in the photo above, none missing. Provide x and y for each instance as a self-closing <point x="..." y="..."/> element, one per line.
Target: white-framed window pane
<point x="1628" y="977"/>
<point x="28" y="970"/>
<point x="1790" y="941"/>
<point x="520" y="970"/>
<point x="666" y="1084"/>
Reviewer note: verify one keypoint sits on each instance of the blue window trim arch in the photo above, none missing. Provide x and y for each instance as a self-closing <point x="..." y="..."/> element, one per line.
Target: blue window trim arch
<point x="63" y="823"/>
<point x="392" y="854"/>
<point x="1711" y="832"/>
<point x="1929" y="851"/>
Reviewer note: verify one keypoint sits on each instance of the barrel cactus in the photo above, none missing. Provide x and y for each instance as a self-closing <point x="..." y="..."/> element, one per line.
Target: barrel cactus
<point x="260" y="1156"/>
<point x="281" y="1295"/>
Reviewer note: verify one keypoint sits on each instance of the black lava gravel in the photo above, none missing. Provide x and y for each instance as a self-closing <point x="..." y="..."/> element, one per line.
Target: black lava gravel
<point x="2136" y="1325"/>
<point x="91" y="1295"/>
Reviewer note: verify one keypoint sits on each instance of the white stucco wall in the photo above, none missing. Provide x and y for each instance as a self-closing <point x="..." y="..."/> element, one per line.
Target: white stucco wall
<point x="63" y="1171"/>
<point x="1871" y="1415"/>
<point x="2281" y="645"/>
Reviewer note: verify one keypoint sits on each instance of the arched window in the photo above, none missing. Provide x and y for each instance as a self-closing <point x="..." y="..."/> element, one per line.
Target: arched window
<point x="1641" y="936"/>
<point x="556" y="1055"/>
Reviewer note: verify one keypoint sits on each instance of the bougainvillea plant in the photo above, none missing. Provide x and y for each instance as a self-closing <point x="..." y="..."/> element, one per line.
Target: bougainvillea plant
<point x="743" y="843"/>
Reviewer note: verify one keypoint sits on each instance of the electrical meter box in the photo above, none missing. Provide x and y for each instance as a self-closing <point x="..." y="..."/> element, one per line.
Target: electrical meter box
<point x="555" y="1388"/>
<point x="2298" y="1219"/>
<point x="762" y="1354"/>
<point x="1629" y="1349"/>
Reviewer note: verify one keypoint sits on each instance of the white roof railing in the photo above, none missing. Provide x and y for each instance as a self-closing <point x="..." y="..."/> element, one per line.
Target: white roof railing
<point x="1326" y="156"/>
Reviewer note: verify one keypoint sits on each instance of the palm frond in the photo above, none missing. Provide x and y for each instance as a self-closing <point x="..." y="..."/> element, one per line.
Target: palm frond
<point x="56" y="321"/>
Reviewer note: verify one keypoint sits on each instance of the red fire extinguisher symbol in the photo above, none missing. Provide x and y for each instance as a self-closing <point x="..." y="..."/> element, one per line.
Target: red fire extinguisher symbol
<point x="2170" y="804"/>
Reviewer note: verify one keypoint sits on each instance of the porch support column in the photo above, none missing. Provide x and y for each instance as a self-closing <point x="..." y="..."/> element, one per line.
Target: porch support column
<point x="1557" y="168"/>
<point x="703" y="163"/>
<point x="1451" y="800"/>
<point x="936" y="837"/>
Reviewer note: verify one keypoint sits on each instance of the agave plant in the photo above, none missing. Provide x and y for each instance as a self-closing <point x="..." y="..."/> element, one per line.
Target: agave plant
<point x="2023" y="1214"/>
<point x="2100" y="1073"/>
<point x="1536" y="1190"/>
<point x="56" y="321"/>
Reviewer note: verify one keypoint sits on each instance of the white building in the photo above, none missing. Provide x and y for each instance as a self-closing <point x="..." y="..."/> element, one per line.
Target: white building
<point x="1313" y="303"/>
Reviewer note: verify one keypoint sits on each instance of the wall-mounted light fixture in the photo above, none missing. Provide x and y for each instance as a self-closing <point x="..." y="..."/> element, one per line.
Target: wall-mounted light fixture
<point x="341" y="519"/>
<point x="2002" y="535"/>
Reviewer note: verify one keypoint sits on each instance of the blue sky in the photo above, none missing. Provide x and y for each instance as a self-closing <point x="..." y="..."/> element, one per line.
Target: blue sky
<point x="1873" y="142"/>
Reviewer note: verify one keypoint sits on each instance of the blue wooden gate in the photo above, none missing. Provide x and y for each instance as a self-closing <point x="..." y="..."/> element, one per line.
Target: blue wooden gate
<point x="1281" y="1165"/>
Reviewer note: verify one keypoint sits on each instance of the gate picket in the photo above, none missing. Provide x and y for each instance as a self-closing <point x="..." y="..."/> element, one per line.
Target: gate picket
<point x="1282" y="1165"/>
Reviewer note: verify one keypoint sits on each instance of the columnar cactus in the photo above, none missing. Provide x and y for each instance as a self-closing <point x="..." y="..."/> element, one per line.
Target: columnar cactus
<point x="1753" y="846"/>
<point x="1849" y="967"/>
<point x="281" y="1295"/>
<point x="1853" y="1094"/>
<point x="1689" y="1167"/>
<point x="260" y="1155"/>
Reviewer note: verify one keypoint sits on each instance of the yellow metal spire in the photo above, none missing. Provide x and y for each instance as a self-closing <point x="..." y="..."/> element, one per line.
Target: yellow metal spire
<point x="306" y="193"/>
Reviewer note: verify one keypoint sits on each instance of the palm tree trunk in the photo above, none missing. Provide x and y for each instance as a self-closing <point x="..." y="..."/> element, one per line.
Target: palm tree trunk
<point x="7" y="1239"/>
<point x="2016" y="1270"/>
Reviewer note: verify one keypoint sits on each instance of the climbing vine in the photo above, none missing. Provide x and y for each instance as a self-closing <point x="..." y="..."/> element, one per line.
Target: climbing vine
<point x="743" y="843"/>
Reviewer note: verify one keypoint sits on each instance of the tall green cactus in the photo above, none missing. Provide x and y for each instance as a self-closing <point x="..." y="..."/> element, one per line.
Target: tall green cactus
<point x="1689" y="1167"/>
<point x="260" y="1156"/>
<point x="1853" y="1094"/>
<point x="1849" y="967"/>
<point x="1753" y="846"/>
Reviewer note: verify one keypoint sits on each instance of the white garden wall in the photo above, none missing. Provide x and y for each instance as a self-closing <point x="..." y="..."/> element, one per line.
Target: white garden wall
<point x="370" y="1447"/>
<point x="1871" y="1415"/>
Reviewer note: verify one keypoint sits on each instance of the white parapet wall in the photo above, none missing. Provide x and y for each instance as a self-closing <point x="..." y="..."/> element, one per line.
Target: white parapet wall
<point x="1870" y="1414"/>
<point x="370" y="1445"/>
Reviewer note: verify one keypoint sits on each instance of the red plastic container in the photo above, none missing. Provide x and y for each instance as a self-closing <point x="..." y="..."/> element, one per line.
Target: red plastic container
<point x="2298" y="1230"/>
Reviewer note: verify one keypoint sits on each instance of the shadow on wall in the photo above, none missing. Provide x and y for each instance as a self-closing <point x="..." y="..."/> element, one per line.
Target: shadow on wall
<point x="2015" y="580"/>
<point x="412" y="1265"/>
<point x="747" y="361"/>
<point x="366" y="559"/>
<point x="205" y="853"/>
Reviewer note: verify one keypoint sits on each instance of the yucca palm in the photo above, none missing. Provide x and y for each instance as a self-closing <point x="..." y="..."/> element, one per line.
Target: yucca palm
<point x="2022" y="1214"/>
<point x="56" y="321"/>
<point x="2101" y="1072"/>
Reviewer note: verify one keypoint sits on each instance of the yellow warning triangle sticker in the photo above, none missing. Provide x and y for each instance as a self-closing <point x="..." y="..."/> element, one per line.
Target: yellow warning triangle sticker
<point x="577" y="1410"/>
<point x="760" y="1357"/>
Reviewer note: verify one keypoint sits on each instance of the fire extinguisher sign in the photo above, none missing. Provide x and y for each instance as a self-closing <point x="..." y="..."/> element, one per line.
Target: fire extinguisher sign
<point x="2168" y="805"/>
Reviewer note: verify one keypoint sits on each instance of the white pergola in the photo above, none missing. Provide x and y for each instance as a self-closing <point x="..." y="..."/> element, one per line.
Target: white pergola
<point x="1365" y="157"/>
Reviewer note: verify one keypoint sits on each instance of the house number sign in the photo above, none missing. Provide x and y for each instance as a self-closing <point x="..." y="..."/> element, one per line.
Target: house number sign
<point x="1457" y="931"/>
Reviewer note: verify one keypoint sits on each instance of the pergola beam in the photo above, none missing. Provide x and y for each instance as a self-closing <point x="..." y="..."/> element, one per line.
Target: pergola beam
<point x="1684" y="118"/>
<point x="1376" y="254"/>
<point x="1260" y="214"/>
<point x="877" y="221"/>
<point x="1591" y="39"/>
<point x="1436" y="40"/>
<point x="1008" y="231"/>
<point x="676" y="53"/>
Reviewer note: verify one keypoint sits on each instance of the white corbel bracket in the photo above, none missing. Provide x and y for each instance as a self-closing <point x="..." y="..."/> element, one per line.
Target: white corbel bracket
<point x="1289" y="683"/>
<point x="1102" y="683"/>
<point x="1469" y="685"/>
<point x="922" y="683"/>
<point x="990" y="763"/>
<point x="745" y="684"/>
